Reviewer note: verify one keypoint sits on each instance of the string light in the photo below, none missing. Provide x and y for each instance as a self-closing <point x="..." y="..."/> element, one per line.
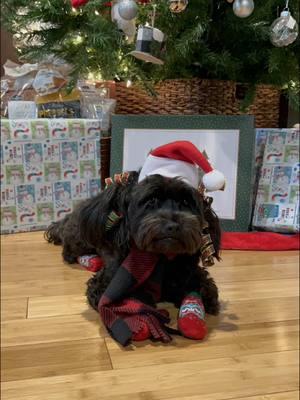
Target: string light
<point x="78" y="39"/>
<point x="97" y="12"/>
<point x="128" y="83"/>
<point x="94" y="76"/>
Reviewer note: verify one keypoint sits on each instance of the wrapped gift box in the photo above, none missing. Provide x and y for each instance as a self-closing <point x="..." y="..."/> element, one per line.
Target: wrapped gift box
<point x="47" y="167"/>
<point x="277" y="197"/>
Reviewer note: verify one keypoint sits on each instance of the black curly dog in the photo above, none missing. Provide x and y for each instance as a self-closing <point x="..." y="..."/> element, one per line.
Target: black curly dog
<point x="161" y="215"/>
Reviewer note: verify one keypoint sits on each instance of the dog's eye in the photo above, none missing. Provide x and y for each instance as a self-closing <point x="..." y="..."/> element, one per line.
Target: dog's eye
<point x="185" y="203"/>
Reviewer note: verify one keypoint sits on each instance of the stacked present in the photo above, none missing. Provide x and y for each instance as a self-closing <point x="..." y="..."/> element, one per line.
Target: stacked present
<point x="50" y="143"/>
<point x="47" y="167"/>
<point x="277" y="194"/>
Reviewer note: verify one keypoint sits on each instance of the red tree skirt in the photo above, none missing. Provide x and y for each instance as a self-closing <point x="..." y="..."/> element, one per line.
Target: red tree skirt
<point x="259" y="241"/>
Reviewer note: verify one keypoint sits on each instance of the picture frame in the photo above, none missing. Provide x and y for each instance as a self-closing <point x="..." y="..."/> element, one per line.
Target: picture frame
<point x="228" y="141"/>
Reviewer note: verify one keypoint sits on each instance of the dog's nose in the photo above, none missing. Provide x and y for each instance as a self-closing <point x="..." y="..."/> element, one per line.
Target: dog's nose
<point x="171" y="227"/>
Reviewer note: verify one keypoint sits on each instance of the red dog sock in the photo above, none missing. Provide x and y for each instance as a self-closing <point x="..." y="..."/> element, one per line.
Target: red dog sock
<point x="92" y="262"/>
<point x="191" y="321"/>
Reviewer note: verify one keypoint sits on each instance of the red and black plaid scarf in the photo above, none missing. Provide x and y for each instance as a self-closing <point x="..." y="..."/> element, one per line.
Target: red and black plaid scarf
<point x="121" y="312"/>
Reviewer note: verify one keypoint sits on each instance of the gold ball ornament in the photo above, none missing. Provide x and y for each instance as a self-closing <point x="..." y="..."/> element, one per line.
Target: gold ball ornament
<point x="177" y="6"/>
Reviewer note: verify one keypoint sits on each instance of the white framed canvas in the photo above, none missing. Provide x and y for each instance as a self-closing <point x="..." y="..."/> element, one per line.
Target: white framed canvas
<point x="139" y="142"/>
<point x="228" y="142"/>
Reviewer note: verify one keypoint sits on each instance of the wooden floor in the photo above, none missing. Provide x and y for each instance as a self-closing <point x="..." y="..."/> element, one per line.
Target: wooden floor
<point x="54" y="347"/>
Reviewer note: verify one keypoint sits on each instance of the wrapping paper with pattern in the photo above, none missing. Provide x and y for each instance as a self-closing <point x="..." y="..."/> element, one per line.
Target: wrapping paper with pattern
<point x="47" y="167"/>
<point x="277" y="199"/>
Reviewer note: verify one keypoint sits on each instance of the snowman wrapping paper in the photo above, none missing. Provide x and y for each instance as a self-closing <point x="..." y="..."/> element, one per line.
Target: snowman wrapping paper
<point x="277" y="199"/>
<point x="47" y="167"/>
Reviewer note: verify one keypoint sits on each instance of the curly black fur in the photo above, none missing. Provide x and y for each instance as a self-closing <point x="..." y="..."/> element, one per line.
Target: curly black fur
<point x="160" y="215"/>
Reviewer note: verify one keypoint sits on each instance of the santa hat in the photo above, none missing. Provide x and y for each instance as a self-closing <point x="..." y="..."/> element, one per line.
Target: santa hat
<point x="182" y="159"/>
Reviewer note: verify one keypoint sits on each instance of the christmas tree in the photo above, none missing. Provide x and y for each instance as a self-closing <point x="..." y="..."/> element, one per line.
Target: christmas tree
<point x="205" y="40"/>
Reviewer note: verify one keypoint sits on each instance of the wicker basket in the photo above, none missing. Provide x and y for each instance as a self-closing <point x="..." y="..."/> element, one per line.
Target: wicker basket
<point x="199" y="96"/>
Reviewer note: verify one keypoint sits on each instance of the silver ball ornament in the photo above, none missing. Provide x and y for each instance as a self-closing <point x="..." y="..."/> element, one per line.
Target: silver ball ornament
<point x="177" y="6"/>
<point x="243" y="8"/>
<point x="127" y="9"/>
<point x="284" y="30"/>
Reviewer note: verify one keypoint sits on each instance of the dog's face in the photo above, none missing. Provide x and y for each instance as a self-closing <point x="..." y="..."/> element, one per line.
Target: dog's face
<point x="166" y="216"/>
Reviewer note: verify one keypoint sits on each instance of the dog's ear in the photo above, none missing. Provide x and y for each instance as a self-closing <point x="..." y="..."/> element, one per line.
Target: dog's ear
<point x="93" y="214"/>
<point x="104" y="217"/>
<point x="214" y="227"/>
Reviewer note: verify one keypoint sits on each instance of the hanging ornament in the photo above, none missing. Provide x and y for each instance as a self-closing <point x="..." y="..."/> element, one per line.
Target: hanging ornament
<point x="177" y="6"/>
<point x="128" y="27"/>
<point x="127" y="9"/>
<point x="150" y="43"/>
<point x="243" y="8"/>
<point x="284" y="30"/>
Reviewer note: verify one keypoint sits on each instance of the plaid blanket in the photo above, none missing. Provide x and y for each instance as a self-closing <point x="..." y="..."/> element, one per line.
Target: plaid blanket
<point x="121" y="312"/>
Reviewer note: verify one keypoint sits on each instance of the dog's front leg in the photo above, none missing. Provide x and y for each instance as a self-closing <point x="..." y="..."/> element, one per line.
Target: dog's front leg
<point x="97" y="285"/>
<point x="200" y="281"/>
<point x="183" y="276"/>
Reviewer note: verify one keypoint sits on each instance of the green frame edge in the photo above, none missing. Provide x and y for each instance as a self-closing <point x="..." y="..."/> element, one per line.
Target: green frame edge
<point x="244" y="123"/>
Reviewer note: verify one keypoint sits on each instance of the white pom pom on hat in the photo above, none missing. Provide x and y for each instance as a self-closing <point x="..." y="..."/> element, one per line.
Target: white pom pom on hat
<point x="182" y="159"/>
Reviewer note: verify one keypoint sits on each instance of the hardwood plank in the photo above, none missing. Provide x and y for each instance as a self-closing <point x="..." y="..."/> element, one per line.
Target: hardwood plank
<point x="50" y="270"/>
<point x="290" y="395"/>
<point x="52" y="359"/>
<point x="22" y="237"/>
<point x="259" y="289"/>
<point x="53" y="267"/>
<point x="247" y="258"/>
<point x="56" y="329"/>
<point x="12" y="309"/>
<point x="225" y="377"/>
<point x="245" y="340"/>
<point x="255" y="311"/>
<point x="43" y="287"/>
<point x="50" y="306"/>
<point x="274" y="396"/>
<point x="234" y="312"/>
<point x="255" y="272"/>
<point x="73" y="304"/>
<point x="27" y="249"/>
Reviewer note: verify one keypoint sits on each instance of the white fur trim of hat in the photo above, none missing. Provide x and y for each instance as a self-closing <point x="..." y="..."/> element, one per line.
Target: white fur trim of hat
<point x="182" y="159"/>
